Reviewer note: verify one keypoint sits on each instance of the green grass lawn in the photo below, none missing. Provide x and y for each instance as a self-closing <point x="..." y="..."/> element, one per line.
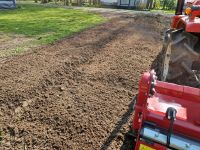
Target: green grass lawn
<point x="46" y="24"/>
<point x="170" y="12"/>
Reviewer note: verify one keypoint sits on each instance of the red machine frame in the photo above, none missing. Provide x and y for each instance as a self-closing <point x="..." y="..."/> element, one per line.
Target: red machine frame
<point x="190" y="22"/>
<point x="150" y="91"/>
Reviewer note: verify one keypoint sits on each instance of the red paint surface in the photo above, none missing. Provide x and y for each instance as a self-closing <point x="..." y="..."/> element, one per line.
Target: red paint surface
<point x="190" y="23"/>
<point x="152" y="108"/>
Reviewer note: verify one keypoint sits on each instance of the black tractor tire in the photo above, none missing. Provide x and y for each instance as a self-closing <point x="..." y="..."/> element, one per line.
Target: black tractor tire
<point x="178" y="57"/>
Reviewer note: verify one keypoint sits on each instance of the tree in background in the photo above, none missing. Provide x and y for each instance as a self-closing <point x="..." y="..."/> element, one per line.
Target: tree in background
<point x="169" y="4"/>
<point x="150" y="4"/>
<point x="164" y="4"/>
<point x="157" y="4"/>
<point x="44" y="1"/>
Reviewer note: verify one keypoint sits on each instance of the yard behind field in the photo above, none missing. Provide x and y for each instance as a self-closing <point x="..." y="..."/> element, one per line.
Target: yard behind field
<point x="33" y="25"/>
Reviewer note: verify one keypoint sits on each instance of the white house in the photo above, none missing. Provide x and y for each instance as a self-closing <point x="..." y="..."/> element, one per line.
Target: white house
<point x="7" y="4"/>
<point x="132" y="3"/>
<point x="109" y="2"/>
<point x="126" y="3"/>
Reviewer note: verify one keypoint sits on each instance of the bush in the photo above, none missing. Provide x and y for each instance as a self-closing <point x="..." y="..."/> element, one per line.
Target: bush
<point x="157" y="4"/>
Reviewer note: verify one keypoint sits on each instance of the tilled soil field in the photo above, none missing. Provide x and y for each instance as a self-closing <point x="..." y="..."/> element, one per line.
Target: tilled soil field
<point x="77" y="93"/>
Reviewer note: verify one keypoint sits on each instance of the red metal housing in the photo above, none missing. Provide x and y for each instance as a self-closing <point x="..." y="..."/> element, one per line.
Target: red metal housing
<point x="191" y="22"/>
<point x="183" y="22"/>
<point x="153" y="100"/>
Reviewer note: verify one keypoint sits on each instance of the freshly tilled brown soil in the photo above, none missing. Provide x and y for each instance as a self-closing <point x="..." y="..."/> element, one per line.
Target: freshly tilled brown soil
<point x="77" y="93"/>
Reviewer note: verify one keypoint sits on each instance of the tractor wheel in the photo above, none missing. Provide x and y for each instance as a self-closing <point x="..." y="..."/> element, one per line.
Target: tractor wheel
<point x="180" y="58"/>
